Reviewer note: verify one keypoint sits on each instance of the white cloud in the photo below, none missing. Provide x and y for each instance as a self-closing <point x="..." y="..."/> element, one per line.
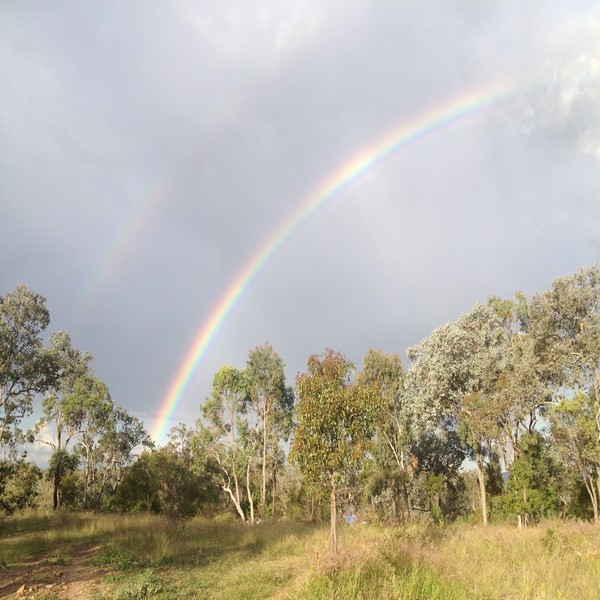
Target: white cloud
<point x="590" y="143"/>
<point x="255" y="37"/>
<point x="564" y="107"/>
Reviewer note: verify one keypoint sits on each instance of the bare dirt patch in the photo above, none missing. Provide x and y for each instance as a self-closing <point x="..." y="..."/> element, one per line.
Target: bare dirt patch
<point x="76" y="579"/>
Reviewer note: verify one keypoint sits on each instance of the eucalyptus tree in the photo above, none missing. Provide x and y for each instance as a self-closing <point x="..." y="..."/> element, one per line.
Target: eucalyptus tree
<point x="393" y="437"/>
<point x="87" y="412"/>
<point x="222" y="438"/>
<point x="68" y="365"/>
<point x="436" y="460"/>
<point x="453" y="377"/>
<point x="270" y="400"/>
<point x="529" y="493"/>
<point x="565" y="327"/>
<point x="575" y="442"/>
<point x="335" y="421"/>
<point x="105" y="435"/>
<point x="115" y="448"/>
<point x="521" y="389"/>
<point x="24" y="369"/>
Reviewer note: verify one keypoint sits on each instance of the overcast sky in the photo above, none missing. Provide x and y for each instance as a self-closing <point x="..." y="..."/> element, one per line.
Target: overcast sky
<point x="147" y="149"/>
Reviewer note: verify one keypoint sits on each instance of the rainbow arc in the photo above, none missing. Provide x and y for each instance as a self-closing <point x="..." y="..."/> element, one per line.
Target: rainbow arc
<point x="466" y="104"/>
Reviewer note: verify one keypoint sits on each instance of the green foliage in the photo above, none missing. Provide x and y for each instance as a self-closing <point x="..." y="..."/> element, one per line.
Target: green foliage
<point x="494" y="481"/>
<point x="456" y="360"/>
<point x="59" y="406"/>
<point x="24" y="369"/>
<point x="388" y="477"/>
<point x="565" y="325"/>
<point x="438" y="486"/>
<point x="335" y="420"/>
<point x="71" y="491"/>
<point x="272" y="403"/>
<point x="60" y="465"/>
<point x="575" y="435"/>
<point x="529" y="493"/>
<point x="163" y="482"/>
<point x="18" y="485"/>
<point x="225" y="438"/>
<point x="139" y="487"/>
<point x="105" y="435"/>
<point x="57" y="560"/>
<point x="143" y="585"/>
<point x="119" y="559"/>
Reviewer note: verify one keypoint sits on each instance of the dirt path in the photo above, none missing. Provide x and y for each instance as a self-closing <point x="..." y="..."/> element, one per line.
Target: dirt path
<point x="77" y="579"/>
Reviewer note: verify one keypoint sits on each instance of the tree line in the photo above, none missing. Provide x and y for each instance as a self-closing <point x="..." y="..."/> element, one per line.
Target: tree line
<point x="496" y="415"/>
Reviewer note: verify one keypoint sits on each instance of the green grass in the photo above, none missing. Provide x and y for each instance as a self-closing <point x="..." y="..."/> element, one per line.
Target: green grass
<point x="144" y="556"/>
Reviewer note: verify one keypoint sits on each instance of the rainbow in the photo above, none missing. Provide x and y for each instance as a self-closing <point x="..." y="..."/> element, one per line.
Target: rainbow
<point x="465" y="104"/>
<point x="140" y="215"/>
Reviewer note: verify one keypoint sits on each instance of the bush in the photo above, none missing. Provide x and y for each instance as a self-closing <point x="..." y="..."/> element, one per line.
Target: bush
<point x="18" y="485"/>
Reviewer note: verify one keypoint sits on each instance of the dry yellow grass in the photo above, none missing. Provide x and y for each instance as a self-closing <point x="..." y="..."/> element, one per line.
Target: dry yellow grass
<point x="285" y="560"/>
<point x="550" y="561"/>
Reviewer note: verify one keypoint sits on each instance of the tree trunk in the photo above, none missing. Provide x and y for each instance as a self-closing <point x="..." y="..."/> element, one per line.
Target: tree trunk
<point x="263" y="498"/>
<point x="274" y="492"/>
<point x="55" y="491"/>
<point x="86" y="478"/>
<point x="234" y="458"/>
<point x="311" y="509"/>
<point x="591" y="490"/>
<point x="237" y="505"/>
<point x="333" y="530"/>
<point x="249" y="494"/>
<point x="596" y="517"/>
<point x="406" y="495"/>
<point x="480" y="477"/>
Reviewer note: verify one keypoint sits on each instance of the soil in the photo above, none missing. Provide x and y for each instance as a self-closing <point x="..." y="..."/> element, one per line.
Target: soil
<point x="77" y="579"/>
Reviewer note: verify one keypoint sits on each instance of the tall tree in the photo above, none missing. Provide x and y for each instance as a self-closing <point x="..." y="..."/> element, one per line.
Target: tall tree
<point x="61" y="464"/>
<point x="335" y="421"/>
<point x="106" y="436"/>
<point x="68" y="365"/>
<point x="24" y="369"/>
<point x="385" y="373"/>
<point x="454" y="375"/>
<point x="222" y="438"/>
<point x="575" y="442"/>
<point x="521" y="390"/>
<point x="565" y="327"/>
<point x="114" y="451"/>
<point x="88" y="410"/>
<point x="265" y="373"/>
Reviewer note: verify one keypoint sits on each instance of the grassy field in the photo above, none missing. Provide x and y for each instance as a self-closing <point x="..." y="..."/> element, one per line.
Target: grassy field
<point x="130" y="557"/>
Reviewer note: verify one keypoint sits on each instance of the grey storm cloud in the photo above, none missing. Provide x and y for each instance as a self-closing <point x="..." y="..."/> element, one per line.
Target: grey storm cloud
<point x="148" y="150"/>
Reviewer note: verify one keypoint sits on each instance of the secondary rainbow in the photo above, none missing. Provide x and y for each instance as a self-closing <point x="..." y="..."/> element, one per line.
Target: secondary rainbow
<point x="456" y="108"/>
<point x="111" y="260"/>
